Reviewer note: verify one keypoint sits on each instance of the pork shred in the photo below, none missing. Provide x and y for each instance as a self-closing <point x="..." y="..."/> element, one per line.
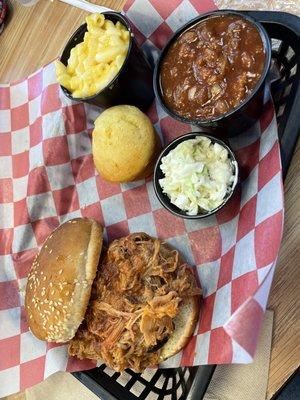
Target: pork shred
<point x="137" y="293"/>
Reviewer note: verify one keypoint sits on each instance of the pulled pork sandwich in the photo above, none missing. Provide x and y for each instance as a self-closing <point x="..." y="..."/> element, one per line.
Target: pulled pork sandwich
<point x="138" y="310"/>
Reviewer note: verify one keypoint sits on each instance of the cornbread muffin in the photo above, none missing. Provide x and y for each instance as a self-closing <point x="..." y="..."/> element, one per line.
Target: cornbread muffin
<point x="125" y="144"/>
<point x="60" y="280"/>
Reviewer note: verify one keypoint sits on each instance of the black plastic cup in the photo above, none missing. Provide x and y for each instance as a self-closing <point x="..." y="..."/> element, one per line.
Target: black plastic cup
<point x="158" y="174"/>
<point x="245" y="114"/>
<point x="133" y="83"/>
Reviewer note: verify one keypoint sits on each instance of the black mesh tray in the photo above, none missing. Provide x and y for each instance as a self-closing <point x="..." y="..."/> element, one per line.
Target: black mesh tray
<point x="191" y="383"/>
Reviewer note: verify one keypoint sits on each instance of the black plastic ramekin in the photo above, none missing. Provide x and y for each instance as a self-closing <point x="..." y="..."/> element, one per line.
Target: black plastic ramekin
<point x="158" y="174"/>
<point x="245" y="114"/>
<point x="133" y="83"/>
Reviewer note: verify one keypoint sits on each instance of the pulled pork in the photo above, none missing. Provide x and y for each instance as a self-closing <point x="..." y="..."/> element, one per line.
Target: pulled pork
<point x="137" y="293"/>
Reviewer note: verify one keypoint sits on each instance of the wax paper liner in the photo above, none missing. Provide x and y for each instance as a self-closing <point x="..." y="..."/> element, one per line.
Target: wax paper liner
<point x="47" y="176"/>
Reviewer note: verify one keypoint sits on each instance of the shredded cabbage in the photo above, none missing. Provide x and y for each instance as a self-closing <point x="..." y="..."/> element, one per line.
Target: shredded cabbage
<point x="198" y="175"/>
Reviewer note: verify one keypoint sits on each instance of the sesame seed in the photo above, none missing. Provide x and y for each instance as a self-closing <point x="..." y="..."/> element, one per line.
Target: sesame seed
<point x="52" y="308"/>
<point x="67" y="293"/>
<point x="57" y="312"/>
<point x="81" y="254"/>
<point x="60" y="272"/>
<point x="50" y="284"/>
<point x="46" y="246"/>
<point x="42" y="273"/>
<point x="44" y="278"/>
<point x="50" y="251"/>
<point x="52" y="291"/>
<point x="50" y="302"/>
<point x="30" y="316"/>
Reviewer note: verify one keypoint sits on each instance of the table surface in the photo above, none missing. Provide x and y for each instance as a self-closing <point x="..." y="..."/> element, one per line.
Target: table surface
<point x="36" y="35"/>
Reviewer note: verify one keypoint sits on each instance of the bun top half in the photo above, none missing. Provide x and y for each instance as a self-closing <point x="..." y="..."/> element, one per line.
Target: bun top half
<point x="60" y="280"/>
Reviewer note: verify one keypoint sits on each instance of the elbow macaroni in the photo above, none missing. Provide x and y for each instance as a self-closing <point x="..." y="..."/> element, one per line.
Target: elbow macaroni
<point x="95" y="62"/>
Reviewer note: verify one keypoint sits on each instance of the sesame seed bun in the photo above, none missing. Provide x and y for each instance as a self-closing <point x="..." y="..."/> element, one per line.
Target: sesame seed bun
<point x="60" y="280"/>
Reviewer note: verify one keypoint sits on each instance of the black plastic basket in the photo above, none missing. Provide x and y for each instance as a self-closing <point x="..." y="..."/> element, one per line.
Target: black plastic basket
<point x="191" y="383"/>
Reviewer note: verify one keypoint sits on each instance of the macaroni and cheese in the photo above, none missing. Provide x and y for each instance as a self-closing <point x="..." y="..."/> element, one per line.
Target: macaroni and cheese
<point x="95" y="62"/>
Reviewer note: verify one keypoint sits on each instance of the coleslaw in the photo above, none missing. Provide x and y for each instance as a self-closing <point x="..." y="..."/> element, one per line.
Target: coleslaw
<point x="198" y="175"/>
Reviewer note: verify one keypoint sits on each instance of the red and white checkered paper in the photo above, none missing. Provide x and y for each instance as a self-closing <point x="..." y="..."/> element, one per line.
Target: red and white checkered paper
<point x="47" y="176"/>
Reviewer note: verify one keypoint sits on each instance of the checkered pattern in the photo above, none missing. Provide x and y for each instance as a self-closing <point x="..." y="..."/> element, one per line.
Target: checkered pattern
<point x="47" y="177"/>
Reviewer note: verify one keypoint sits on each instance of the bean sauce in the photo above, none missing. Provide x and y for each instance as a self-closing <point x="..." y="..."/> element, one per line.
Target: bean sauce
<point x="212" y="67"/>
